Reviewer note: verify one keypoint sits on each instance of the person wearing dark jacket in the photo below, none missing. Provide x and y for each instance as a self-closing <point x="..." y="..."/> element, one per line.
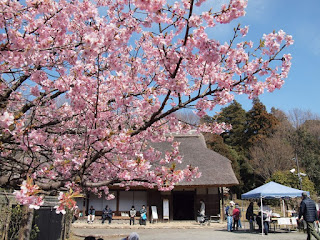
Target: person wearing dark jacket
<point x="107" y="214"/>
<point x="250" y="215"/>
<point x="309" y="212"/>
<point x="143" y="215"/>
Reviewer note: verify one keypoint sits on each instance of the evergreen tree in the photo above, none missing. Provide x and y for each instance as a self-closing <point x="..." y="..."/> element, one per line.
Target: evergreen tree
<point x="307" y="145"/>
<point x="260" y="123"/>
<point x="235" y="115"/>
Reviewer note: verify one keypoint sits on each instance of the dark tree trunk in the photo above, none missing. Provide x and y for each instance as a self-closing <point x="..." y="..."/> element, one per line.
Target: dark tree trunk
<point x="6" y="217"/>
<point x="6" y="211"/>
<point x="26" y="223"/>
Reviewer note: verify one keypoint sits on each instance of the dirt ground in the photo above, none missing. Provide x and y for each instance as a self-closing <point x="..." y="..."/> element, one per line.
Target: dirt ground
<point x="182" y="230"/>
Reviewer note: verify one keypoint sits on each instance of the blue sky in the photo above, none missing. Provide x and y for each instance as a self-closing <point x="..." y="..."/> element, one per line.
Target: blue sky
<point x="301" y="19"/>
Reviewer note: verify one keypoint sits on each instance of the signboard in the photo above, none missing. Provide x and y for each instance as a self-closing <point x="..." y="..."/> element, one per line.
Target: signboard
<point x="166" y="209"/>
<point x="154" y="213"/>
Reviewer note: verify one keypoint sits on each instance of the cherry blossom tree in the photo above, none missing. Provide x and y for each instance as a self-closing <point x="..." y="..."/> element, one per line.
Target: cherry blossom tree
<point x="85" y="86"/>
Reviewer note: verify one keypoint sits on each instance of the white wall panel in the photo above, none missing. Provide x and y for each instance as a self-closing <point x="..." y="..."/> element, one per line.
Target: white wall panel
<point x="125" y="201"/>
<point x="96" y="202"/>
<point x="140" y="198"/>
<point x="129" y="198"/>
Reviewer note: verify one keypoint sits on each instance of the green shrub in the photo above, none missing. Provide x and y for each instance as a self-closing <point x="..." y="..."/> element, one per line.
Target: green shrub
<point x="16" y="217"/>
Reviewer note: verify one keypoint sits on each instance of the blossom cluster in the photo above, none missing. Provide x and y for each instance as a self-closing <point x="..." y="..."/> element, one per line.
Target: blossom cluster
<point x="6" y="119"/>
<point x="150" y="5"/>
<point x="235" y="10"/>
<point x="28" y="194"/>
<point x="87" y="87"/>
<point x="66" y="201"/>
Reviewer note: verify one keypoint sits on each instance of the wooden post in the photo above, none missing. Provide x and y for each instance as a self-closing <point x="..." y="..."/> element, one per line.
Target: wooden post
<point x="221" y="201"/>
<point x="84" y="208"/>
<point x="118" y="203"/>
<point x="26" y="223"/>
<point x="6" y="211"/>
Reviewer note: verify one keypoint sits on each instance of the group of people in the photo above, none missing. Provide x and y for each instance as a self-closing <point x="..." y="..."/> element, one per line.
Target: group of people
<point x="233" y="214"/>
<point x="143" y="215"/>
<point x="307" y="213"/>
<point x="107" y="215"/>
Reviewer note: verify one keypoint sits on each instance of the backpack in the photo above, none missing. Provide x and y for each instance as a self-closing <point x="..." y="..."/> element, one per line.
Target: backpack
<point x="236" y="214"/>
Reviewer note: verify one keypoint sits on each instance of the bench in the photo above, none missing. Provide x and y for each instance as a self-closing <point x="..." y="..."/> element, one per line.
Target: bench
<point x="123" y="218"/>
<point x="215" y="218"/>
<point x="123" y="215"/>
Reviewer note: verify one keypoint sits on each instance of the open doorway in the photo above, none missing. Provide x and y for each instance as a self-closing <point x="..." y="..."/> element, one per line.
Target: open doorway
<point x="183" y="205"/>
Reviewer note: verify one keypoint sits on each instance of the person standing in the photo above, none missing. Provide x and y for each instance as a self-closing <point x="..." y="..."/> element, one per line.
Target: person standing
<point x="132" y="213"/>
<point x="236" y="217"/>
<point x="201" y="218"/>
<point x="202" y="210"/>
<point x="239" y="221"/>
<point x="309" y="212"/>
<point x="229" y="212"/>
<point x="250" y="216"/>
<point x="143" y="215"/>
<point x="266" y="213"/>
<point x="91" y="214"/>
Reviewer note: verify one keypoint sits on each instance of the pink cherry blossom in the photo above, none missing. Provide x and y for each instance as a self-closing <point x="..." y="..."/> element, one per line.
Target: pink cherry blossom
<point x="6" y="119"/>
<point x="28" y="194"/>
<point x="150" y="5"/>
<point x="85" y="92"/>
<point x="66" y="201"/>
<point x="195" y="21"/>
<point x="244" y="30"/>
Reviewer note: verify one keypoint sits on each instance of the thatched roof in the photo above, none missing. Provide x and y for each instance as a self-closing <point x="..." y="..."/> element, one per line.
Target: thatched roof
<point x="216" y="169"/>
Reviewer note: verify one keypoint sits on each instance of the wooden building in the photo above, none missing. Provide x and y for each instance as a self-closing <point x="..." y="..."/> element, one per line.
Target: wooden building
<point x="183" y="202"/>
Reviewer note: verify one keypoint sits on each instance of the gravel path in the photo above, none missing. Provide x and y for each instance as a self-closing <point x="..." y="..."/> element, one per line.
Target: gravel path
<point x="177" y="230"/>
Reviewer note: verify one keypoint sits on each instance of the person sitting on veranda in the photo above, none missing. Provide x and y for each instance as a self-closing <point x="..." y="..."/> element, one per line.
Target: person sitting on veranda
<point x="91" y="214"/>
<point x="106" y="214"/>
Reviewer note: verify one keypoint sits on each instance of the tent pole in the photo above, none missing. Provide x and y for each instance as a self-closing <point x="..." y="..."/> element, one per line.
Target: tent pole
<point x="242" y="222"/>
<point x="280" y="204"/>
<point x="261" y="210"/>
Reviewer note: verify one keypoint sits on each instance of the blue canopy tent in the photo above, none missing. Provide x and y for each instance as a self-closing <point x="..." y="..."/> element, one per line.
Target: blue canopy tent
<point x="272" y="190"/>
